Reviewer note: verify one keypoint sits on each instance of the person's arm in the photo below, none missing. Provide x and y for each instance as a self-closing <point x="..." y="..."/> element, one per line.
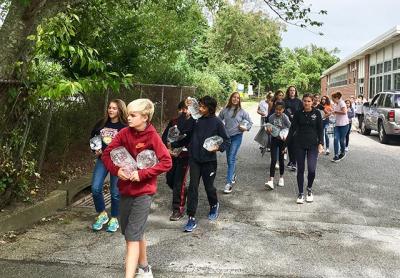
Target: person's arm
<point x="221" y="114"/>
<point x="164" y="136"/>
<point x="188" y="130"/>
<point x="222" y="132"/>
<point x="246" y="117"/>
<point x="343" y="108"/>
<point x="293" y="128"/>
<point x="286" y="121"/>
<point x="259" y="111"/>
<point x="320" y="133"/>
<point x="164" y="160"/>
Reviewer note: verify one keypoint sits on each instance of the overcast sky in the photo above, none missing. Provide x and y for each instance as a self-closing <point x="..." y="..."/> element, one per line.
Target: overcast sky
<point x="349" y="25"/>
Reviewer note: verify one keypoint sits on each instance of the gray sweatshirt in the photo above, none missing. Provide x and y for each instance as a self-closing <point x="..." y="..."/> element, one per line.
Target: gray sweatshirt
<point x="281" y="122"/>
<point x="232" y="123"/>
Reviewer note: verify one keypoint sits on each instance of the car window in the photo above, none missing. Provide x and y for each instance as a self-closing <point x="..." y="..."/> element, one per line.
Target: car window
<point x="381" y="99"/>
<point x="388" y="101"/>
<point x="396" y="100"/>
<point x="374" y="100"/>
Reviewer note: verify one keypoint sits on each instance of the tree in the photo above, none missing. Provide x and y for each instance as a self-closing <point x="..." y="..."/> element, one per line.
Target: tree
<point x="303" y="67"/>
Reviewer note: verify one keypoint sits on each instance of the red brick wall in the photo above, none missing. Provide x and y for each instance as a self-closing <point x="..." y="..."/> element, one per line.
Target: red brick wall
<point x="366" y="77"/>
<point x="347" y="90"/>
<point x="324" y="85"/>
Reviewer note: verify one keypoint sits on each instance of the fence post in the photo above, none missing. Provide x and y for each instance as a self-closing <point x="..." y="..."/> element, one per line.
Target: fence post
<point x="162" y="107"/>
<point x="180" y="99"/>
<point x="141" y="90"/>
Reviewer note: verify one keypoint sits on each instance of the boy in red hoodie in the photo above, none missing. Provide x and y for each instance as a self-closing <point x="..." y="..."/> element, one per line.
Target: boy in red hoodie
<point x="137" y="189"/>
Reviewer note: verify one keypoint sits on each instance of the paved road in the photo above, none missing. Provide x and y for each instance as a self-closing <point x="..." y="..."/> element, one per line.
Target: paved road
<point x="351" y="230"/>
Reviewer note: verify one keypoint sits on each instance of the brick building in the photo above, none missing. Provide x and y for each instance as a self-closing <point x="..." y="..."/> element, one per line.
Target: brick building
<point x="373" y="68"/>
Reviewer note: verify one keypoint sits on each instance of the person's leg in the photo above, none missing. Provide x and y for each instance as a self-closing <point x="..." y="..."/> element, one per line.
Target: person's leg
<point x="359" y="117"/>
<point x="193" y="191"/>
<point x="99" y="174"/>
<point x="274" y="155"/>
<point x="300" y="159"/>
<point x="115" y="197"/>
<point x="348" y="135"/>
<point x="181" y="169"/>
<point x="236" y="141"/>
<point x="170" y="174"/>
<point x="342" y="138"/>
<point x="281" y="147"/>
<point x="143" y="253"/>
<point x="336" y="140"/>
<point x="208" y="172"/>
<point x="131" y="258"/>
<point x="292" y="153"/>
<point x="312" y="156"/>
<point x="326" y="136"/>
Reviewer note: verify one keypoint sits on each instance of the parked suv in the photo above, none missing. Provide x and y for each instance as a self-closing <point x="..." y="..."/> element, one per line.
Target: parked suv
<point x="383" y="115"/>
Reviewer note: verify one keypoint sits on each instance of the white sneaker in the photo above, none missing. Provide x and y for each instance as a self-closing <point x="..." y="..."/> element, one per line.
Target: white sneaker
<point x="281" y="182"/>
<point x="142" y="274"/>
<point x="309" y="197"/>
<point x="269" y="184"/>
<point x="300" y="199"/>
<point x="346" y="149"/>
<point x="285" y="156"/>
<point x="327" y="152"/>
<point x="228" y="188"/>
<point x="276" y="166"/>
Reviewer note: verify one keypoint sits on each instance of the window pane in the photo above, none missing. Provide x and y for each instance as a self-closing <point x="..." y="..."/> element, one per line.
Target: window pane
<point x="389" y="101"/>
<point x="372" y="70"/>
<point x="397" y="81"/>
<point x="387" y="80"/>
<point x="381" y="98"/>
<point x="395" y="63"/>
<point x="379" y="68"/>
<point x="379" y="84"/>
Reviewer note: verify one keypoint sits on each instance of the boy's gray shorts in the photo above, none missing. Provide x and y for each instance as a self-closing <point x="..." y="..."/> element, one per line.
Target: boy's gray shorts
<point x="133" y="216"/>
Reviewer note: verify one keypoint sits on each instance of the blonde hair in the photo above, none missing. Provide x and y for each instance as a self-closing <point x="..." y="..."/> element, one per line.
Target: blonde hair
<point x="143" y="106"/>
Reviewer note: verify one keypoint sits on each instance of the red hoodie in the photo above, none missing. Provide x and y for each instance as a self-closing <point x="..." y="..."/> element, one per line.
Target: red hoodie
<point x="135" y="142"/>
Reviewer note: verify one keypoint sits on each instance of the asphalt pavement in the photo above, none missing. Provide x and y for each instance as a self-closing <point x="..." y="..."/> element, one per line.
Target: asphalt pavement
<point x="352" y="229"/>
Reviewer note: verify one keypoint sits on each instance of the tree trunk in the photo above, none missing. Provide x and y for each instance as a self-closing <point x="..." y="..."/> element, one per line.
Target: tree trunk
<point x="46" y="136"/>
<point x="21" y="21"/>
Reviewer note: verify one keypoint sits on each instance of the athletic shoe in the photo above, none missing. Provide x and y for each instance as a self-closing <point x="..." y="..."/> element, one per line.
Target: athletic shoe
<point x="346" y="149"/>
<point x="263" y="150"/>
<point x="290" y="165"/>
<point x="294" y="168"/>
<point x="342" y="155"/>
<point x="142" y="273"/>
<point x="214" y="212"/>
<point x="113" y="225"/>
<point x="300" y="199"/>
<point x="327" y="152"/>
<point x="277" y="166"/>
<point x="268" y="150"/>
<point x="190" y="225"/>
<point x="269" y="184"/>
<point x="234" y="179"/>
<point x="100" y="221"/>
<point x="176" y="215"/>
<point x="228" y="188"/>
<point x="285" y="156"/>
<point x="335" y="159"/>
<point x="309" y="197"/>
<point x="281" y="182"/>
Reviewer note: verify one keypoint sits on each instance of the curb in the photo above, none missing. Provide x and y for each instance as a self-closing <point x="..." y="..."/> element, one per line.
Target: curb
<point x="22" y="218"/>
<point x="25" y="217"/>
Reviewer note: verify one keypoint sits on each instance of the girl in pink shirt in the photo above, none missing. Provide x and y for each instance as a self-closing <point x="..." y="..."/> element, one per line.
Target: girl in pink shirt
<point x="341" y="128"/>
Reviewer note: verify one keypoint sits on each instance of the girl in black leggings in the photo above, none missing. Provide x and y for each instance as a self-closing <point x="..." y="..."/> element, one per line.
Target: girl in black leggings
<point x="306" y="133"/>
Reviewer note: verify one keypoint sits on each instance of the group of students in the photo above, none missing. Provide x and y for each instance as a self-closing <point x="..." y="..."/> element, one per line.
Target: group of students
<point x="130" y="127"/>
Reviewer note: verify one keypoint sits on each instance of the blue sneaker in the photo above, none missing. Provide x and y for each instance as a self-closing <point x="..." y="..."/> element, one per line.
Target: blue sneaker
<point x="113" y="225"/>
<point x="100" y="221"/>
<point x="214" y="212"/>
<point x="190" y="225"/>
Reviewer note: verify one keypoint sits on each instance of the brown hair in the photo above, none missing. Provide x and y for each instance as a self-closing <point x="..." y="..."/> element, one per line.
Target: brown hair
<point x="287" y="96"/>
<point x="122" y="112"/>
<point x="230" y="104"/>
<point x="337" y="95"/>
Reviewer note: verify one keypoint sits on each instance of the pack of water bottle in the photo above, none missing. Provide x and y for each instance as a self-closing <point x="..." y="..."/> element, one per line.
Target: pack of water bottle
<point x="95" y="143"/>
<point x="193" y="108"/>
<point x="212" y="143"/>
<point x="123" y="159"/>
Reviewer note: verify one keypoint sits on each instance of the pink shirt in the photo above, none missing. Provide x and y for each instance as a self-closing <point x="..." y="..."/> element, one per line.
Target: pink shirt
<point x="341" y="119"/>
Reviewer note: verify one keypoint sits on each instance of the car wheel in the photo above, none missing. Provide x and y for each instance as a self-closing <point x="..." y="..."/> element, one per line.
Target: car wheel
<point x="364" y="129"/>
<point x="383" y="138"/>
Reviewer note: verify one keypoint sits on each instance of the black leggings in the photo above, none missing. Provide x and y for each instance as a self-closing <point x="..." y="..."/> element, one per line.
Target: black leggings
<point x="312" y="154"/>
<point x="277" y="147"/>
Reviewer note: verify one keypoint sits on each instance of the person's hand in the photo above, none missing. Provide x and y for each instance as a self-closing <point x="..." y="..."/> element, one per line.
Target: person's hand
<point x="214" y="149"/>
<point x="135" y="176"/>
<point x="98" y="153"/>
<point x="188" y="102"/>
<point x="268" y="130"/>
<point x="320" y="149"/>
<point x="172" y="153"/>
<point x="169" y="146"/>
<point x="122" y="175"/>
<point x="242" y="129"/>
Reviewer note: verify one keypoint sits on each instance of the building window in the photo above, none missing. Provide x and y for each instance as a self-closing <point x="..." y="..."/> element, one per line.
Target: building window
<point x="379" y="68"/>
<point x="387" y="82"/>
<point x="379" y="84"/>
<point x="396" y="64"/>
<point x="397" y="81"/>
<point x="372" y="70"/>
<point x="387" y="66"/>
<point x="339" y="80"/>
<point x="361" y="80"/>
<point x="372" y="87"/>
